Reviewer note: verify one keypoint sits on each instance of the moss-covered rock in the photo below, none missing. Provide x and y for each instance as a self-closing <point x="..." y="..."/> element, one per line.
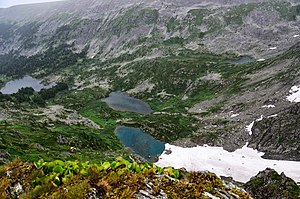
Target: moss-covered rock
<point x="269" y="184"/>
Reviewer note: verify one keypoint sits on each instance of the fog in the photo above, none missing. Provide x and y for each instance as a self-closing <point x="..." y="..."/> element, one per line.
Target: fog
<point x="9" y="3"/>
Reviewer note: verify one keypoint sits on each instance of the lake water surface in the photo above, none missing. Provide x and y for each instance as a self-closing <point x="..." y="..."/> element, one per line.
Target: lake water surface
<point x="121" y="101"/>
<point x="27" y="81"/>
<point x="242" y="60"/>
<point x="140" y="142"/>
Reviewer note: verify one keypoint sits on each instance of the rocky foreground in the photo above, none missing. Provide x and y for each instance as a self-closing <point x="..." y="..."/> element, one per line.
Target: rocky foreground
<point x="123" y="179"/>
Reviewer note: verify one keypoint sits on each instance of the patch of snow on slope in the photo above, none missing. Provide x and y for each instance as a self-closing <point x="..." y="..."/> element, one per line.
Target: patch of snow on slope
<point x="275" y="115"/>
<point x="260" y="119"/>
<point x="241" y="164"/>
<point x="268" y="106"/>
<point x="296" y="36"/>
<point x="234" y="115"/>
<point x="261" y="60"/>
<point x="295" y="94"/>
<point x="249" y="127"/>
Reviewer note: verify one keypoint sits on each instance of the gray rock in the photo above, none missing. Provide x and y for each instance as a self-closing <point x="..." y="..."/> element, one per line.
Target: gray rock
<point x="269" y="184"/>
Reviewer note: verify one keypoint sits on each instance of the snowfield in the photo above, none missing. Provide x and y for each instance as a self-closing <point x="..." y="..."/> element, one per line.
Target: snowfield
<point x="241" y="164"/>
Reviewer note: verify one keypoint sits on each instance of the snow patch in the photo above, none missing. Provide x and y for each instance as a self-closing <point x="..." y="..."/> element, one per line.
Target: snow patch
<point x="241" y="164"/>
<point x="261" y="59"/>
<point x="295" y="94"/>
<point x="296" y="36"/>
<point x="234" y="115"/>
<point x="268" y="106"/>
<point x="249" y="127"/>
<point x="260" y="119"/>
<point x="273" y="48"/>
<point x="275" y="115"/>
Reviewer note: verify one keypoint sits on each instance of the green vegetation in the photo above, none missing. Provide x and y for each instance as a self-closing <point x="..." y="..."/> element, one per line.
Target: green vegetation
<point x="116" y="179"/>
<point x="269" y="183"/>
<point x="173" y="25"/>
<point x="181" y="81"/>
<point x="35" y="139"/>
<point x="5" y="30"/>
<point x="236" y="14"/>
<point x="131" y="18"/>
<point x="69" y="122"/>
<point x="199" y="15"/>
<point x="174" y="40"/>
<point x="286" y="10"/>
<point x="52" y="59"/>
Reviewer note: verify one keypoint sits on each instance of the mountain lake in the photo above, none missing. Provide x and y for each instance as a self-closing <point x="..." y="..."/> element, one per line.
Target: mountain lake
<point x="242" y="60"/>
<point x="140" y="142"/>
<point x="121" y="101"/>
<point x="27" y="81"/>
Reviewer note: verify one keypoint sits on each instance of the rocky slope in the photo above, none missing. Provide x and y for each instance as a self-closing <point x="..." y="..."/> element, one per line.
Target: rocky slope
<point x="278" y="135"/>
<point x="118" y="179"/>
<point x="121" y="27"/>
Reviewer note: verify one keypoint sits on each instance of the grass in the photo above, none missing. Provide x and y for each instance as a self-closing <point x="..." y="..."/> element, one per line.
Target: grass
<point x="116" y="179"/>
<point x="31" y="142"/>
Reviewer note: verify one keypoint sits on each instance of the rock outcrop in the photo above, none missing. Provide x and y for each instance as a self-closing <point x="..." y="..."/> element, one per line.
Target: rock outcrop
<point x="268" y="184"/>
<point x="279" y="136"/>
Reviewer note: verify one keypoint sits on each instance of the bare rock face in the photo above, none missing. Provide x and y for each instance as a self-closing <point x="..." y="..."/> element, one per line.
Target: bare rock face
<point x="269" y="184"/>
<point x="108" y="29"/>
<point x="279" y="136"/>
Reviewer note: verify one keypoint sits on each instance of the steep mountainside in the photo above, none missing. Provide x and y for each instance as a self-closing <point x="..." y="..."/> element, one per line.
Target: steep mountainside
<point x="142" y="28"/>
<point x="214" y="72"/>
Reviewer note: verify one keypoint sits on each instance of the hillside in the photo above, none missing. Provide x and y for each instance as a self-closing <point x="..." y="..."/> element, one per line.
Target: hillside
<point x="209" y="86"/>
<point x="118" y="179"/>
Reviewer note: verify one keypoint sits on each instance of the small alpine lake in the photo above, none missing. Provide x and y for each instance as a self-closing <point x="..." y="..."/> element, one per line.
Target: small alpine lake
<point x="121" y="101"/>
<point x="242" y="60"/>
<point x="140" y="142"/>
<point x="27" y="81"/>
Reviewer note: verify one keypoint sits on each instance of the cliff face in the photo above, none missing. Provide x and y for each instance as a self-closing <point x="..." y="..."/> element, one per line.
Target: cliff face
<point x="279" y="136"/>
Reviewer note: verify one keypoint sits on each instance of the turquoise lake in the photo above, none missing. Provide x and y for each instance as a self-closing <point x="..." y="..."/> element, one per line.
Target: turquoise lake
<point x="140" y="142"/>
